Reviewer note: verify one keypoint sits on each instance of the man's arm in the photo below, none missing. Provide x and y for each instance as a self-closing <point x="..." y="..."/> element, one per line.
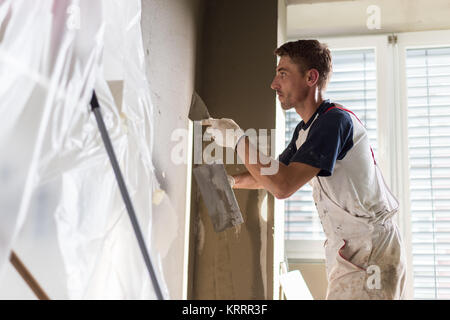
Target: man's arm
<point x="283" y="182"/>
<point x="246" y="181"/>
<point x="272" y="175"/>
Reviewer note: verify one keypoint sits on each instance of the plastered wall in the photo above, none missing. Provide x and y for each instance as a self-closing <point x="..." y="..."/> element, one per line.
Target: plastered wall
<point x="169" y="31"/>
<point x="236" y="66"/>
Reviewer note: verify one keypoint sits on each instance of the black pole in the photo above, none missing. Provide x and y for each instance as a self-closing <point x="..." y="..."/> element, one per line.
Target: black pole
<point x="125" y="195"/>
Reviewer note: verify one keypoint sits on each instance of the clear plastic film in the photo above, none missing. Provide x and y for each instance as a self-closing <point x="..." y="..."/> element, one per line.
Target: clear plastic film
<point x="49" y="66"/>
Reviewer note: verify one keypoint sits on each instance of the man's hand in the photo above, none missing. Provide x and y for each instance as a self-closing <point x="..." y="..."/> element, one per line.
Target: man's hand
<point x="225" y="132"/>
<point x="231" y="180"/>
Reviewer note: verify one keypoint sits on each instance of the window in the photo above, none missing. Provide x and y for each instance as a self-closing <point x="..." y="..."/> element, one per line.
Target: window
<point x="301" y="218"/>
<point x="401" y="92"/>
<point x="353" y="84"/>
<point x="428" y="102"/>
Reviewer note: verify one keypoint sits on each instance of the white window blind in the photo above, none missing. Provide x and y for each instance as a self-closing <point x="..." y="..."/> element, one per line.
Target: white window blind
<point x="353" y="84"/>
<point x="428" y="94"/>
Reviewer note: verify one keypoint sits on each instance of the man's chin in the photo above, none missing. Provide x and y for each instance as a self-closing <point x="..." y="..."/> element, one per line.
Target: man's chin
<point x="285" y="106"/>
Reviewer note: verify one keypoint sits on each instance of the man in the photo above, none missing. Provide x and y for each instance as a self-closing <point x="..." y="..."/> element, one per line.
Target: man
<point x="329" y="149"/>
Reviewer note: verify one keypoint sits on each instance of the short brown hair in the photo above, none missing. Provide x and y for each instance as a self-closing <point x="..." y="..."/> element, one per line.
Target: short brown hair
<point x="309" y="54"/>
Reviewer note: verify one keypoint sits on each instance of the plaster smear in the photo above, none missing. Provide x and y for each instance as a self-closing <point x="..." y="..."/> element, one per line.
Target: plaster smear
<point x="218" y="196"/>
<point x="200" y="236"/>
<point x="158" y="196"/>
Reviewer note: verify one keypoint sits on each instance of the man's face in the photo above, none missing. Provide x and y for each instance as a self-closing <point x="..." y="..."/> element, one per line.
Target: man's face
<point x="289" y="83"/>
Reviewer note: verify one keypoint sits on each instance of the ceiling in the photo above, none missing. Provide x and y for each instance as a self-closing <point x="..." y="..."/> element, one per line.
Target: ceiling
<point x="325" y="18"/>
<point x="291" y="2"/>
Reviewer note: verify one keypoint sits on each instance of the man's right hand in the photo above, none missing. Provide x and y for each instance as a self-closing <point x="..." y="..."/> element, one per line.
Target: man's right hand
<point x="231" y="180"/>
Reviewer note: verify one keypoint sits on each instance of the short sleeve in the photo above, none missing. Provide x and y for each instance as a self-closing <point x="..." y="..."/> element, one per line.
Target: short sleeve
<point x="329" y="139"/>
<point x="290" y="150"/>
<point x="287" y="154"/>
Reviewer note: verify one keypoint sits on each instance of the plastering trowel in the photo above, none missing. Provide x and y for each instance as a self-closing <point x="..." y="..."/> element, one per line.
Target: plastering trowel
<point x="213" y="183"/>
<point x="198" y="110"/>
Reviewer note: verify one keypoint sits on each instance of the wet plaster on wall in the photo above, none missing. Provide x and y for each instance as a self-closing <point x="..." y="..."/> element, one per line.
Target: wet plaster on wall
<point x="235" y="69"/>
<point x="231" y="264"/>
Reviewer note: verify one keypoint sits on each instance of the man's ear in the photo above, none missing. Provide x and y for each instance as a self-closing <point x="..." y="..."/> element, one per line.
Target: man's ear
<point x="312" y="77"/>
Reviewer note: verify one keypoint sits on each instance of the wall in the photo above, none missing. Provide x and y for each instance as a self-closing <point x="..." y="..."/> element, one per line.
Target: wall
<point x="170" y="29"/>
<point x="236" y="67"/>
<point x="279" y="250"/>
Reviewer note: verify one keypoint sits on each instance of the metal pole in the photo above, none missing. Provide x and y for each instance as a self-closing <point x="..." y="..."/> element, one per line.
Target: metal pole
<point x="125" y="195"/>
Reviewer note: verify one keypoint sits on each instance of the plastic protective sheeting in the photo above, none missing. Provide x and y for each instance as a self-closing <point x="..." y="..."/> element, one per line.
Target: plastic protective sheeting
<point x="53" y="53"/>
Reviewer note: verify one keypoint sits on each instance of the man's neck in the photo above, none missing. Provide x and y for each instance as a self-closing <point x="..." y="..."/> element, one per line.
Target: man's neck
<point x="309" y="106"/>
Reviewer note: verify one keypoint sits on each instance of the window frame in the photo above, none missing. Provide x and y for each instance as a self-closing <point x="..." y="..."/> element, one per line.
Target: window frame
<point x="304" y="250"/>
<point x="392" y="134"/>
<point x="405" y="41"/>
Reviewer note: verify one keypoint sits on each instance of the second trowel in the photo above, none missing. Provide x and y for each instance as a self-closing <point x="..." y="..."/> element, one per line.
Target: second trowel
<point x="218" y="196"/>
<point x="213" y="183"/>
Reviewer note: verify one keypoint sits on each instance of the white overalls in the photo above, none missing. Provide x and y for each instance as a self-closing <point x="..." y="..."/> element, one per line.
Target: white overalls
<point x="364" y="252"/>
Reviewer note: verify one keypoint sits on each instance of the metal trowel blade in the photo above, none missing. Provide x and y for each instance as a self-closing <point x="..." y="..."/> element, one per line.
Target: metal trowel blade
<point x="218" y="196"/>
<point x="198" y="110"/>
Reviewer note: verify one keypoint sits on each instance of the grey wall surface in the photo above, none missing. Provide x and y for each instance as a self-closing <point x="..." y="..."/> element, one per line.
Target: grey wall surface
<point x="236" y="67"/>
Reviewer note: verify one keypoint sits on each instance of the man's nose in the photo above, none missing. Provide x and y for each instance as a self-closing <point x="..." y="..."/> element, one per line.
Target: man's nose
<point x="274" y="85"/>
